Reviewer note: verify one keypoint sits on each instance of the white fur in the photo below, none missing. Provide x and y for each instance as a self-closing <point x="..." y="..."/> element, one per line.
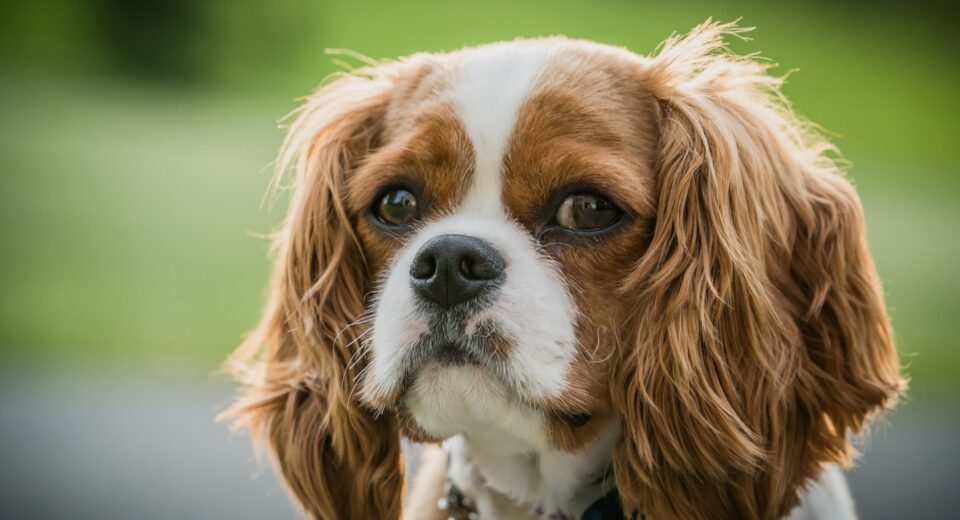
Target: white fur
<point x="489" y="88"/>
<point x="396" y="325"/>
<point x="826" y="499"/>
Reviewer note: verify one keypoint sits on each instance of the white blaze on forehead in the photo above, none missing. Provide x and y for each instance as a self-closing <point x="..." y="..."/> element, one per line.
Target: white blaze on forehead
<point x="488" y="89"/>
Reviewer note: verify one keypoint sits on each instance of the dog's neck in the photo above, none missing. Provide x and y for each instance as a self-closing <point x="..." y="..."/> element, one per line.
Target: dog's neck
<point x="495" y="443"/>
<point x="541" y="480"/>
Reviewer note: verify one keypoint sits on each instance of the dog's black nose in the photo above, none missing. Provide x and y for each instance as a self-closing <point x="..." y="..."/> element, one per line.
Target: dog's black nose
<point x="452" y="269"/>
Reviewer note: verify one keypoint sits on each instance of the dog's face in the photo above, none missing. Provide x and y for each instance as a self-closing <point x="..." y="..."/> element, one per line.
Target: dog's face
<point x="559" y="234"/>
<point x="510" y="196"/>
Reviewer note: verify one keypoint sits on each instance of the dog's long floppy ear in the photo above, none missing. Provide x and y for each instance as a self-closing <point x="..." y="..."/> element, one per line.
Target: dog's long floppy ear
<point x="762" y="339"/>
<point x="338" y="460"/>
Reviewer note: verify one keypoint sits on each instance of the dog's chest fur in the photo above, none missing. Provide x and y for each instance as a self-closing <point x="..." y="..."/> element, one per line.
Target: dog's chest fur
<point x="498" y="446"/>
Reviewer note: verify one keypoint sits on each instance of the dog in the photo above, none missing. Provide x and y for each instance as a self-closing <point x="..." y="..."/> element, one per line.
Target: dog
<point x="608" y="285"/>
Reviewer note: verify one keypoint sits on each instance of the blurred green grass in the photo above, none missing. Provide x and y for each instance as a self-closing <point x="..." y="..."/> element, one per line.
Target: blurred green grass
<point x="128" y="208"/>
<point x="126" y="220"/>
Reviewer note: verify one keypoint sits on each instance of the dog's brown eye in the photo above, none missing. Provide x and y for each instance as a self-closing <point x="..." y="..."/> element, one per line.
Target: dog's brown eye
<point x="586" y="212"/>
<point x="398" y="207"/>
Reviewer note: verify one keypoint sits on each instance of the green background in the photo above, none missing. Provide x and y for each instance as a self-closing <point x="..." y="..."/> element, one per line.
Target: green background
<point x="136" y="144"/>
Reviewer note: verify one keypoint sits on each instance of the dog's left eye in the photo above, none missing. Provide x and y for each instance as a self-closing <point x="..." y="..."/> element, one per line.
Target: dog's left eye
<point x="586" y="212"/>
<point x="397" y="208"/>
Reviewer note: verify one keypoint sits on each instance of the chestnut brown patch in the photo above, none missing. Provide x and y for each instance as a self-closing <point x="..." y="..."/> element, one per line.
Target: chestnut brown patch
<point x="586" y="132"/>
<point x="433" y="159"/>
<point x="570" y="431"/>
<point x="498" y="346"/>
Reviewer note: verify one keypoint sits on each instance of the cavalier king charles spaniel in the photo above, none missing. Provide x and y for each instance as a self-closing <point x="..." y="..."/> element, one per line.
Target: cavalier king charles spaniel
<point x="594" y="284"/>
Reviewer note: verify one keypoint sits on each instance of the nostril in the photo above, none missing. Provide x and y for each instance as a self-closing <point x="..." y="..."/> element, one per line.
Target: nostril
<point x="481" y="266"/>
<point x="424" y="267"/>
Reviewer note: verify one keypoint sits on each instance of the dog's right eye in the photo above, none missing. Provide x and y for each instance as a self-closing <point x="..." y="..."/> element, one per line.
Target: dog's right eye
<point x="397" y="207"/>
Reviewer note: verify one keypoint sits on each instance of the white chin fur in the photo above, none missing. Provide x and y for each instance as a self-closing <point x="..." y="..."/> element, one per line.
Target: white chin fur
<point x="450" y="400"/>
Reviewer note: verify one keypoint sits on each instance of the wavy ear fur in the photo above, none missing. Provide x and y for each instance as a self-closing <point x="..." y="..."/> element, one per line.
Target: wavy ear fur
<point x="338" y="460"/>
<point x="763" y="338"/>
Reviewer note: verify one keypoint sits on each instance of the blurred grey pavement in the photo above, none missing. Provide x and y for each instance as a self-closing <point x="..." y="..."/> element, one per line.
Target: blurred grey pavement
<point x="82" y="446"/>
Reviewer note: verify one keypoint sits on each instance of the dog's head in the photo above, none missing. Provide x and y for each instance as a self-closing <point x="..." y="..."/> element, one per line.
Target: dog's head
<point x="588" y="236"/>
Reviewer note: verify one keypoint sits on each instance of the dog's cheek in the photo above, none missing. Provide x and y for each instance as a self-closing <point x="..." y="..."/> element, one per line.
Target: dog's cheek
<point x="377" y="249"/>
<point x="595" y="274"/>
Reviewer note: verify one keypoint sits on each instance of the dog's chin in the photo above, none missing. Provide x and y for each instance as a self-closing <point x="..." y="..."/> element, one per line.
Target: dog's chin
<point x="448" y="396"/>
<point x="444" y="399"/>
<point x="454" y="375"/>
<point x="422" y="368"/>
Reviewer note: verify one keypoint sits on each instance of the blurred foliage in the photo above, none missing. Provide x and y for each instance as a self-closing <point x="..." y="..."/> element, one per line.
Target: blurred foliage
<point x="136" y="138"/>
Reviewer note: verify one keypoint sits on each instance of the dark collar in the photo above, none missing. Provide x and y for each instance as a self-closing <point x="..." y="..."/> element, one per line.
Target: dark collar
<point x="459" y="507"/>
<point x="606" y="508"/>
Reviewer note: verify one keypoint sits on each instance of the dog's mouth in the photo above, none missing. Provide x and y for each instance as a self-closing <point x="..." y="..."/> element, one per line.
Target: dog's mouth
<point x="456" y="354"/>
<point x="455" y="340"/>
<point x="451" y="339"/>
<point x="448" y="360"/>
<point x="438" y="351"/>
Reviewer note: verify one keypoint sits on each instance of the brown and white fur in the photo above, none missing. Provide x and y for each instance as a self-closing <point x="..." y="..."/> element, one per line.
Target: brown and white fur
<point x="710" y="354"/>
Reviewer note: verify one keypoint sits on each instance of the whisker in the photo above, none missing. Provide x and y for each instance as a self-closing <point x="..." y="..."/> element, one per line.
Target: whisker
<point x="362" y="320"/>
<point x="360" y="353"/>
